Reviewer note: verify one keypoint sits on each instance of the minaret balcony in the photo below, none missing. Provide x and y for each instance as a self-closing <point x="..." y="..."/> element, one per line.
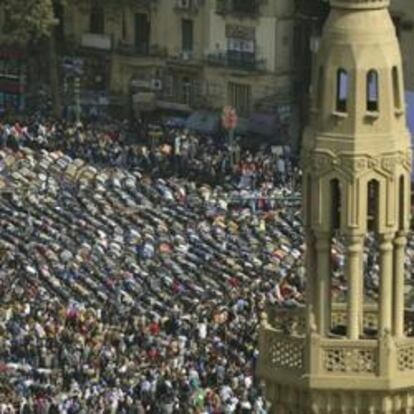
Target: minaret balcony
<point x="290" y="356"/>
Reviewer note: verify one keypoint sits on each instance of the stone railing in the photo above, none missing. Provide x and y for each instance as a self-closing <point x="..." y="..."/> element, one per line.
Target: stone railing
<point x="349" y="357"/>
<point x="294" y="320"/>
<point x="405" y="355"/>
<point x="282" y="351"/>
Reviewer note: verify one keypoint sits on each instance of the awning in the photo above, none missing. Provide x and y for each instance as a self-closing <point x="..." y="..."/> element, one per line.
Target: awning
<point x="204" y="122"/>
<point x="173" y="106"/>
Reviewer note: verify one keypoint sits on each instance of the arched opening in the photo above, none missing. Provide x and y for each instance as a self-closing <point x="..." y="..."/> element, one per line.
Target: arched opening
<point x="371" y="268"/>
<point x="335" y="205"/>
<point x="338" y="281"/>
<point x="342" y="90"/>
<point x="401" y="204"/>
<point x="372" y="91"/>
<point x="396" y="88"/>
<point x="372" y="205"/>
<point x="320" y="91"/>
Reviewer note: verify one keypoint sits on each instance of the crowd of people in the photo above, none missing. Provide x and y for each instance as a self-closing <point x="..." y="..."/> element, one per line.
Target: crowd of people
<point x="134" y="273"/>
<point x="135" y="288"/>
<point x="162" y="152"/>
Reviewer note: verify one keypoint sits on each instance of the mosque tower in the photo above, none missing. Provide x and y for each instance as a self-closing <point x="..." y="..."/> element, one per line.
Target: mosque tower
<point x="356" y="356"/>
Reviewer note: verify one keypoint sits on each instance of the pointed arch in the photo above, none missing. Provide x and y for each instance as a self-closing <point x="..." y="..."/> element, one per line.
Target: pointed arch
<point x="373" y="193"/>
<point x="342" y="90"/>
<point x="372" y="91"/>
<point x="336" y="204"/>
<point x="396" y="87"/>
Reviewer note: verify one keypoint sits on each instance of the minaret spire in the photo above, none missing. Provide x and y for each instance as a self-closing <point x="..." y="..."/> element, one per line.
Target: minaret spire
<point x="354" y="356"/>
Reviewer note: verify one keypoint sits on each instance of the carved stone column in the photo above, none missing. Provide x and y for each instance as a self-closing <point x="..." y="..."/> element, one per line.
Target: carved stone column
<point x="400" y="242"/>
<point x="386" y="288"/>
<point x="311" y="288"/>
<point x="322" y="279"/>
<point x="354" y="260"/>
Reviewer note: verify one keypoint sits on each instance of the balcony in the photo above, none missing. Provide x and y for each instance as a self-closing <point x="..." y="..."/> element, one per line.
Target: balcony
<point x="247" y="62"/>
<point x="240" y="8"/>
<point x="96" y="41"/>
<point x="290" y="355"/>
<point x="141" y="49"/>
<point x="184" y="58"/>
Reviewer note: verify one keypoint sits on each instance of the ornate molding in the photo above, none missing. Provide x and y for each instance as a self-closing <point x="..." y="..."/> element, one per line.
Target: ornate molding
<point x="323" y="163"/>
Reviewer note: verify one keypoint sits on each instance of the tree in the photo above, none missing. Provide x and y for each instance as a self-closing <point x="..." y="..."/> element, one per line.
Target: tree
<point x="27" y="20"/>
<point x="30" y="21"/>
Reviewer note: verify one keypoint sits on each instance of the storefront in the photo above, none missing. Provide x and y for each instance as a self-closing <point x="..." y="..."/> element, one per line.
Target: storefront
<point x="13" y="71"/>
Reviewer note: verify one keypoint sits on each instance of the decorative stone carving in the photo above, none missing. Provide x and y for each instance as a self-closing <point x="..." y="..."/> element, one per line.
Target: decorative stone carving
<point x="405" y="358"/>
<point x="286" y="354"/>
<point x="283" y="351"/>
<point x="406" y="160"/>
<point x="321" y="162"/>
<point x="350" y="360"/>
<point x="389" y="163"/>
<point x="372" y="163"/>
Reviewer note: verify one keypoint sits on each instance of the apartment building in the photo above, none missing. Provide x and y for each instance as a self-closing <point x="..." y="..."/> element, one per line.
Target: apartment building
<point x="402" y="12"/>
<point x="185" y="55"/>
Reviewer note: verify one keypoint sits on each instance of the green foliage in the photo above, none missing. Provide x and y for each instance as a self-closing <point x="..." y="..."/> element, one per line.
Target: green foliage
<point x="26" y="20"/>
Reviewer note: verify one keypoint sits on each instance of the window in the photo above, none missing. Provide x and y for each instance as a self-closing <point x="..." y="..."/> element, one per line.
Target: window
<point x="372" y="91"/>
<point x="342" y="90"/>
<point x="396" y="88"/>
<point x="97" y="19"/>
<point x="239" y="97"/>
<point x="186" y="91"/>
<point x="187" y="35"/>
<point x="241" y="52"/>
<point x="142" y="33"/>
<point x="169" y="85"/>
<point x="124" y="26"/>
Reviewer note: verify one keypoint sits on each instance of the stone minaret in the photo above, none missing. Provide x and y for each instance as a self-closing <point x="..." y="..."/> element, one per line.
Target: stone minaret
<point x="356" y="356"/>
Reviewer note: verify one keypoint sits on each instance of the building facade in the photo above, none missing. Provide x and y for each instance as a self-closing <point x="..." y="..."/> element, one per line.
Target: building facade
<point x="188" y="54"/>
<point x="353" y="356"/>
<point x="403" y="15"/>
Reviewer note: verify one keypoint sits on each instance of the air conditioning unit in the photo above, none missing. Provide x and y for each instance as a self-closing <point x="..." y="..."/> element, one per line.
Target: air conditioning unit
<point x="184" y="4"/>
<point x="156" y="84"/>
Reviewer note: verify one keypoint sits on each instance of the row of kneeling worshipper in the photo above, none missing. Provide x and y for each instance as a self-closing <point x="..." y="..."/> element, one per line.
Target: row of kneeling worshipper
<point x="131" y="293"/>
